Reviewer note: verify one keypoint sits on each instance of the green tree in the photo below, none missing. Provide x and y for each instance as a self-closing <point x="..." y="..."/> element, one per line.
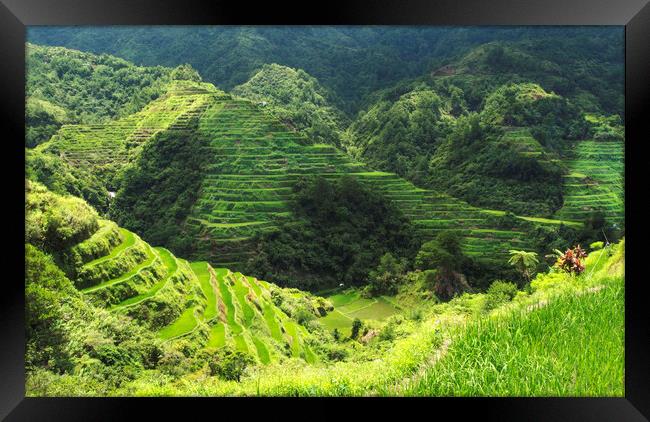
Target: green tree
<point x="336" y="334"/>
<point x="387" y="276"/>
<point x="443" y="253"/>
<point x="356" y="328"/>
<point x="525" y="262"/>
<point x="229" y="364"/>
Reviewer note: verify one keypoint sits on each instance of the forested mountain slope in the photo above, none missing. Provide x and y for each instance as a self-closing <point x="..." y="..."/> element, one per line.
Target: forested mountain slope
<point x="107" y="314"/>
<point x="297" y="99"/>
<point x="500" y="127"/>
<point x="352" y="62"/>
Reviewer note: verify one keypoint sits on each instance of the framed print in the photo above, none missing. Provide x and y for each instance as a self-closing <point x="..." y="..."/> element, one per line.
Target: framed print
<point x="411" y="202"/>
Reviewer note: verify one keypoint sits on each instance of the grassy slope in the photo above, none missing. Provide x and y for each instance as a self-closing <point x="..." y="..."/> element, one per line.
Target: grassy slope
<point x="566" y="338"/>
<point x="571" y="347"/>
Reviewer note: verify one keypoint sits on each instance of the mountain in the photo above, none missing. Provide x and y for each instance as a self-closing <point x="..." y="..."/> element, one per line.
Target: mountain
<point x="212" y="173"/>
<point x="498" y="127"/>
<point x="352" y="62"/>
<point x="368" y="211"/>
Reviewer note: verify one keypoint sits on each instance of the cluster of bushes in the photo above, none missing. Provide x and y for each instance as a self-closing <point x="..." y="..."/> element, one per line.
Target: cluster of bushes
<point x="301" y="306"/>
<point x="55" y="223"/>
<point x="67" y="337"/>
<point x="99" y="244"/>
<point x="62" y="178"/>
<point x="85" y="88"/>
<point x="606" y="128"/>
<point x="347" y="228"/>
<point x="401" y="135"/>
<point x="42" y="120"/>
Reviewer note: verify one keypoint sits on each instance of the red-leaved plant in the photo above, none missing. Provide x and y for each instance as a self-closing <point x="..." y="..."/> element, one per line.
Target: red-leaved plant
<point x="572" y="261"/>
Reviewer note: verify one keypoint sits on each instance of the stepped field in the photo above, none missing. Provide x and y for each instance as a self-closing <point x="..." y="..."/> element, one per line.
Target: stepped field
<point x="106" y="147"/>
<point x="254" y="160"/>
<point x="595" y="181"/>
<point x="350" y="305"/>
<point x="562" y="338"/>
<point x="178" y="299"/>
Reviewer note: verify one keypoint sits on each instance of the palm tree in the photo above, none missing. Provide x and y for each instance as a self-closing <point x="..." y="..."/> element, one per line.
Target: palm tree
<point x="524" y="262"/>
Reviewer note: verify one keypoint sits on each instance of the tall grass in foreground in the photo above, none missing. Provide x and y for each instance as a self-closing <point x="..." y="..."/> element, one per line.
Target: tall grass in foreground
<point x="574" y="346"/>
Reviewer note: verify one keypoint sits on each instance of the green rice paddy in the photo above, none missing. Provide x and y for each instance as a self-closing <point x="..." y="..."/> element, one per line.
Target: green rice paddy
<point x="350" y="305"/>
<point x="256" y="160"/>
<point x="595" y="181"/>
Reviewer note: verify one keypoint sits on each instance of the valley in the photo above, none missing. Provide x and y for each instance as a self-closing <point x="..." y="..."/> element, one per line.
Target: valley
<point x="455" y="227"/>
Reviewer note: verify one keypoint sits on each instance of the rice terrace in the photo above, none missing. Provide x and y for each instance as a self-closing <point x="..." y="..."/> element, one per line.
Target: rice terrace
<point x="324" y="211"/>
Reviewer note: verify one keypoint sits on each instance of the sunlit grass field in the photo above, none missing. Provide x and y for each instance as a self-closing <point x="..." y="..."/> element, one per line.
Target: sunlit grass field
<point x="571" y="347"/>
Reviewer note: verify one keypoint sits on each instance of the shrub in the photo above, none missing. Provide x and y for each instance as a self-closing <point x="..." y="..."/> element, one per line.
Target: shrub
<point x="387" y="333"/>
<point x="416" y="314"/>
<point x="54" y="222"/>
<point x="336" y="334"/>
<point x="335" y="352"/>
<point x="356" y="328"/>
<point x="500" y="292"/>
<point x="387" y="276"/>
<point x="571" y="261"/>
<point x="504" y="288"/>
<point x="229" y="364"/>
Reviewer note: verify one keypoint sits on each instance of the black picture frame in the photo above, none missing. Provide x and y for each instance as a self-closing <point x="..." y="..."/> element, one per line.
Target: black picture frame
<point x="15" y="15"/>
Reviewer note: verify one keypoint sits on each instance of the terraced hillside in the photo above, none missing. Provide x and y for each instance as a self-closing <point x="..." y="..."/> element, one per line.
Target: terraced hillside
<point x="255" y="161"/>
<point x="595" y="181"/>
<point x="178" y="299"/>
<point x="114" y="269"/>
<point x="105" y="148"/>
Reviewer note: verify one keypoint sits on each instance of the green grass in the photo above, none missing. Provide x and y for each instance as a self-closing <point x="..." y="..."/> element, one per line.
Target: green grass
<point x="350" y="305"/>
<point x="217" y="337"/>
<point x="272" y="322"/>
<point x="380" y="309"/>
<point x="226" y="296"/>
<point x="240" y="293"/>
<point x="571" y="347"/>
<point x="128" y="240"/>
<point x="172" y="266"/>
<point x="185" y="323"/>
<point x="262" y="351"/>
<point x="337" y="320"/>
<point x="202" y="273"/>
<point x="151" y="257"/>
<point x="341" y="299"/>
<point x="240" y="343"/>
<point x="292" y="330"/>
